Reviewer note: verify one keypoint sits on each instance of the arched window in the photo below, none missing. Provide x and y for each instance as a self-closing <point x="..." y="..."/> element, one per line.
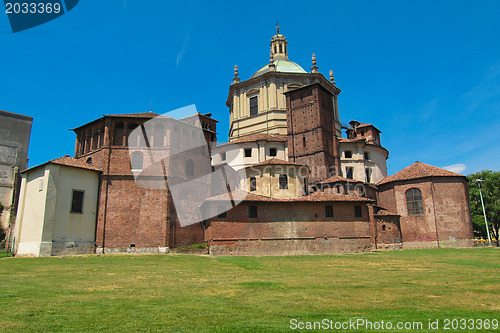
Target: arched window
<point x="414" y="202"/>
<point x="253" y="184"/>
<point x="283" y="182"/>
<point x="281" y="48"/>
<point x="189" y="168"/>
<point x="118" y="135"/>
<point x="89" y="160"/>
<point x="137" y="161"/>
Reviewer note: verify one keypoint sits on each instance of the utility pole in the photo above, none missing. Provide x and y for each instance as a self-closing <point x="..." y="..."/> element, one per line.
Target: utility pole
<point x="479" y="181"/>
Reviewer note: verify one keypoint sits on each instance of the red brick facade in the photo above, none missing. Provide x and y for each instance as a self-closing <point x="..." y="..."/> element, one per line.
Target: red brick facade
<point x="446" y="215"/>
<point x="311" y="131"/>
<point x="138" y="214"/>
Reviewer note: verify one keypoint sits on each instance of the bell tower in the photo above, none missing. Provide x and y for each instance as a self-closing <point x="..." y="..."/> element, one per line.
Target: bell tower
<point x="279" y="45"/>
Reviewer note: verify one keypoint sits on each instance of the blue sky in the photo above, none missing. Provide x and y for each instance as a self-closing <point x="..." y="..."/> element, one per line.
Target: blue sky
<point x="426" y="73"/>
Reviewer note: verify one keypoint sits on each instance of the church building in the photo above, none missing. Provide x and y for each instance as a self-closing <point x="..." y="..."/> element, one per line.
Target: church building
<point x="300" y="187"/>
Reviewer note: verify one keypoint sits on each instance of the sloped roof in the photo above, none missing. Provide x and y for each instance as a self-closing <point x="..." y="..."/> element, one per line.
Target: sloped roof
<point x="275" y="161"/>
<point x="260" y="137"/>
<point x="68" y="161"/>
<point x="134" y="115"/>
<point x="240" y="195"/>
<point x="336" y="179"/>
<point x="418" y="170"/>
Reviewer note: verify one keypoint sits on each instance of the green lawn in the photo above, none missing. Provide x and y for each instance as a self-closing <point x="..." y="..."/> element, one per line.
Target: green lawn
<point x="185" y="293"/>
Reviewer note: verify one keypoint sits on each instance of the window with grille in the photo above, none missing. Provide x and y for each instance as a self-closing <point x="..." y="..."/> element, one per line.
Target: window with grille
<point x="329" y="211"/>
<point x="414" y="202"/>
<point x="254" y="108"/>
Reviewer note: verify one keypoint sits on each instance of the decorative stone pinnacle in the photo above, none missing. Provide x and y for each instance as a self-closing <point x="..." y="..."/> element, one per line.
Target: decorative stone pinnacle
<point x="314" y="68"/>
<point x="236" y="78"/>
<point x="331" y="77"/>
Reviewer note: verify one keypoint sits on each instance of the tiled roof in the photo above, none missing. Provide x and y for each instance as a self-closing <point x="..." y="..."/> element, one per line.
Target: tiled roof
<point x="260" y="137"/>
<point x="385" y="212"/>
<point x="336" y="179"/>
<point x="134" y="115"/>
<point x="351" y="140"/>
<point x="68" y="161"/>
<point x="418" y="170"/>
<point x="240" y="195"/>
<point x="73" y="162"/>
<point x="275" y="161"/>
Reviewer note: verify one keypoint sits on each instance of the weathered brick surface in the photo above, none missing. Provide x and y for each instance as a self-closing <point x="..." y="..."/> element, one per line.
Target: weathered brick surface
<point x="310" y="128"/>
<point x="446" y="209"/>
<point x="299" y="227"/>
<point x="138" y="214"/>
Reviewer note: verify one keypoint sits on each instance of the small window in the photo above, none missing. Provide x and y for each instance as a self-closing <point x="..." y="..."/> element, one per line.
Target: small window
<point x="348" y="154"/>
<point x="77" y="201"/>
<point x="362" y="133"/>
<point x="383" y="227"/>
<point x="357" y="211"/>
<point x="283" y="180"/>
<point x="254" y="107"/>
<point x="349" y="172"/>
<point x="368" y="174"/>
<point x="329" y="211"/>
<point x="414" y="202"/>
<point x="273" y="152"/>
<point x="248" y="152"/>
<point x="89" y="160"/>
<point x="367" y="156"/>
<point x="189" y="168"/>
<point x="223" y="156"/>
<point x="304" y="142"/>
<point x="137" y="161"/>
<point x="221" y="212"/>
<point x="253" y="184"/>
<point x="252" y="211"/>
<point x="281" y="48"/>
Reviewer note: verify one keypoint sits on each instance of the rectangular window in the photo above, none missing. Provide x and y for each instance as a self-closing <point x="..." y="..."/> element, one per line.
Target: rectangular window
<point x="349" y="172"/>
<point x="368" y="175"/>
<point x="329" y="211"/>
<point x="252" y="211"/>
<point x="254" y="108"/>
<point x="348" y="154"/>
<point x="223" y="156"/>
<point x="367" y="156"/>
<point x="272" y="152"/>
<point x="357" y="211"/>
<point x="221" y="212"/>
<point x="77" y="201"/>
<point x="248" y="152"/>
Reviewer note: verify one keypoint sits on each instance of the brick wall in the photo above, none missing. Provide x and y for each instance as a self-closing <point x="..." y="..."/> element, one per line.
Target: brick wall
<point x="446" y="215"/>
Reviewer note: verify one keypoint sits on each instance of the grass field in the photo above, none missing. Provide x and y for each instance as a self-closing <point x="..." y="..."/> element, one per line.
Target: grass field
<point x="185" y="293"/>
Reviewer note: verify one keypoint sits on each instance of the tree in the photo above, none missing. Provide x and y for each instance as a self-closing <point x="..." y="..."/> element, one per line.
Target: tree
<point x="491" y="195"/>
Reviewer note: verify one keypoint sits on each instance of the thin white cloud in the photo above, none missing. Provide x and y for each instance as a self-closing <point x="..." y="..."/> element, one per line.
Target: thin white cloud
<point x="458" y="168"/>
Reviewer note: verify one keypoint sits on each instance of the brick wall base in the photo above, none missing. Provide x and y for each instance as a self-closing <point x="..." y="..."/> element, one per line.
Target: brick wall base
<point x="278" y="247"/>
